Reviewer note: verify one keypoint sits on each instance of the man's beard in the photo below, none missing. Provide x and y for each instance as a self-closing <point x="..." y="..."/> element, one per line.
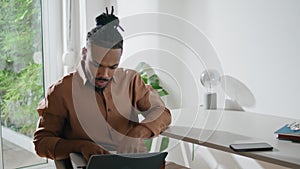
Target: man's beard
<point x="100" y="88"/>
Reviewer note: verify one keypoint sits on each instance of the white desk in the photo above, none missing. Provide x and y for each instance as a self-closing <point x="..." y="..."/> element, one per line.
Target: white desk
<point x="218" y="129"/>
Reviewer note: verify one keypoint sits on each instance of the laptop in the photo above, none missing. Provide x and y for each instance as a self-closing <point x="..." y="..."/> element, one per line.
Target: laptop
<point x="120" y="161"/>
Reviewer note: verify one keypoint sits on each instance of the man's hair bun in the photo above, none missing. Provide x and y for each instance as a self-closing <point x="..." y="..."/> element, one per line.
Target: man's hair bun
<point x="106" y="18"/>
<point x="105" y="33"/>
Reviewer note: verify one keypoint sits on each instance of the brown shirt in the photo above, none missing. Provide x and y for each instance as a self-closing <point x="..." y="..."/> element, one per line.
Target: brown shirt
<point x="72" y="109"/>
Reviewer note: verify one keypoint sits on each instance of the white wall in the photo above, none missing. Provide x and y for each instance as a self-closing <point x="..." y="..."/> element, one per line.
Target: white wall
<point x="256" y="42"/>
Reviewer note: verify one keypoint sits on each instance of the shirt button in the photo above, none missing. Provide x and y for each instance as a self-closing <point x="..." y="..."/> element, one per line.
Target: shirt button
<point x="108" y="109"/>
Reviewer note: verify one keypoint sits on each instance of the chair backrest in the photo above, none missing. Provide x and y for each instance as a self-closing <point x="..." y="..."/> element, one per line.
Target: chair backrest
<point x="60" y="164"/>
<point x="128" y="161"/>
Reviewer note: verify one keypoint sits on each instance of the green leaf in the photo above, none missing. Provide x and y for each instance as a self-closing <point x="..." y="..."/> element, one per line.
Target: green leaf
<point x="153" y="77"/>
<point x="193" y="152"/>
<point x="23" y="16"/>
<point x="164" y="143"/>
<point x="154" y="81"/>
<point x="162" y="92"/>
<point x="145" y="78"/>
<point x="148" y="144"/>
<point x="157" y="87"/>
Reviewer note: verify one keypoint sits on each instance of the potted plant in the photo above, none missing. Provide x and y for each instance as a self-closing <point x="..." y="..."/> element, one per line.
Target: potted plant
<point x="151" y="78"/>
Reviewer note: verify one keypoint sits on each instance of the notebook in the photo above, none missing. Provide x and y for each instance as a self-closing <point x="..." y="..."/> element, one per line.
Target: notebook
<point x="286" y="133"/>
<point x="120" y="161"/>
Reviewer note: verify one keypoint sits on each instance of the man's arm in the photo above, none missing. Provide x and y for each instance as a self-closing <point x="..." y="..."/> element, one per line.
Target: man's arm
<point x="52" y="116"/>
<point x="49" y="137"/>
<point x="49" y="144"/>
<point x="157" y="115"/>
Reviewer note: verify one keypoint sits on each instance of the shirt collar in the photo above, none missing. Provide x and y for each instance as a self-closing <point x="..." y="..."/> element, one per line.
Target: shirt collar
<point x="81" y="71"/>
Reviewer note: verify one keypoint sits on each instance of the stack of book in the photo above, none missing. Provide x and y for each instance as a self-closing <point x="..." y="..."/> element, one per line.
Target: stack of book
<point x="288" y="132"/>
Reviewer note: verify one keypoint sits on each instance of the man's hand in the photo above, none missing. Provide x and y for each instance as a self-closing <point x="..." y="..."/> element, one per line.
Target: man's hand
<point x="133" y="142"/>
<point x="139" y="131"/>
<point x="89" y="148"/>
<point x="131" y="145"/>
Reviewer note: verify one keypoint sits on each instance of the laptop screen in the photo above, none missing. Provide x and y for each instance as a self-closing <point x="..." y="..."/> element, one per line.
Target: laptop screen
<point x="127" y="161"/>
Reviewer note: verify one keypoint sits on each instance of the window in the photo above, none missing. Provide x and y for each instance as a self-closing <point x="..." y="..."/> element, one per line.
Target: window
<point x="21" y="77"/>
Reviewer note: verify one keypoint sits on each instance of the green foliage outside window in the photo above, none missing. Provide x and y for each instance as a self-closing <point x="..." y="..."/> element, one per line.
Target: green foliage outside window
<point x="21" y="93"/>
<point x="21" y="84"/>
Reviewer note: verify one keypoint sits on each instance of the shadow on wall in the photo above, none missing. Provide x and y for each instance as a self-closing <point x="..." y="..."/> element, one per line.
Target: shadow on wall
<point x="238" y="94"/>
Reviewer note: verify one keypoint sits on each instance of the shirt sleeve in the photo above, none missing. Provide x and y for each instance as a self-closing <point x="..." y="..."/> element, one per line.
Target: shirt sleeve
<point x="157" y="115"/>
<point x="52" y="115"/>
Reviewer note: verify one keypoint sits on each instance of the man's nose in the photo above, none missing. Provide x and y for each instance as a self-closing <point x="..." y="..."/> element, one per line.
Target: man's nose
<point x="102" y="72"/>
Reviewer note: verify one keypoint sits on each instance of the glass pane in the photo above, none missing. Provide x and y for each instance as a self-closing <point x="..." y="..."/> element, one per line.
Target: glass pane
<point x="21" y="80"/>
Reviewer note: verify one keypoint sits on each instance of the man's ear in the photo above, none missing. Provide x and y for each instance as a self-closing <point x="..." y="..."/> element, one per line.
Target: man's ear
<point x="83" y="53"/>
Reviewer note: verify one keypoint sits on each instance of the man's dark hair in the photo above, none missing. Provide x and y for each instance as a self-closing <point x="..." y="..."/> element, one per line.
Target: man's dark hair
<point x="106" y="33"/>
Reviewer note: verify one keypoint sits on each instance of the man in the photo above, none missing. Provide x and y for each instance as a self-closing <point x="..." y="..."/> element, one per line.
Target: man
<point x="95" y="109"/>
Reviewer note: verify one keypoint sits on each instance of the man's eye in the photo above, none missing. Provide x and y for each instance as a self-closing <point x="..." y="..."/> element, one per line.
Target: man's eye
<point x="114" y="67"/>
